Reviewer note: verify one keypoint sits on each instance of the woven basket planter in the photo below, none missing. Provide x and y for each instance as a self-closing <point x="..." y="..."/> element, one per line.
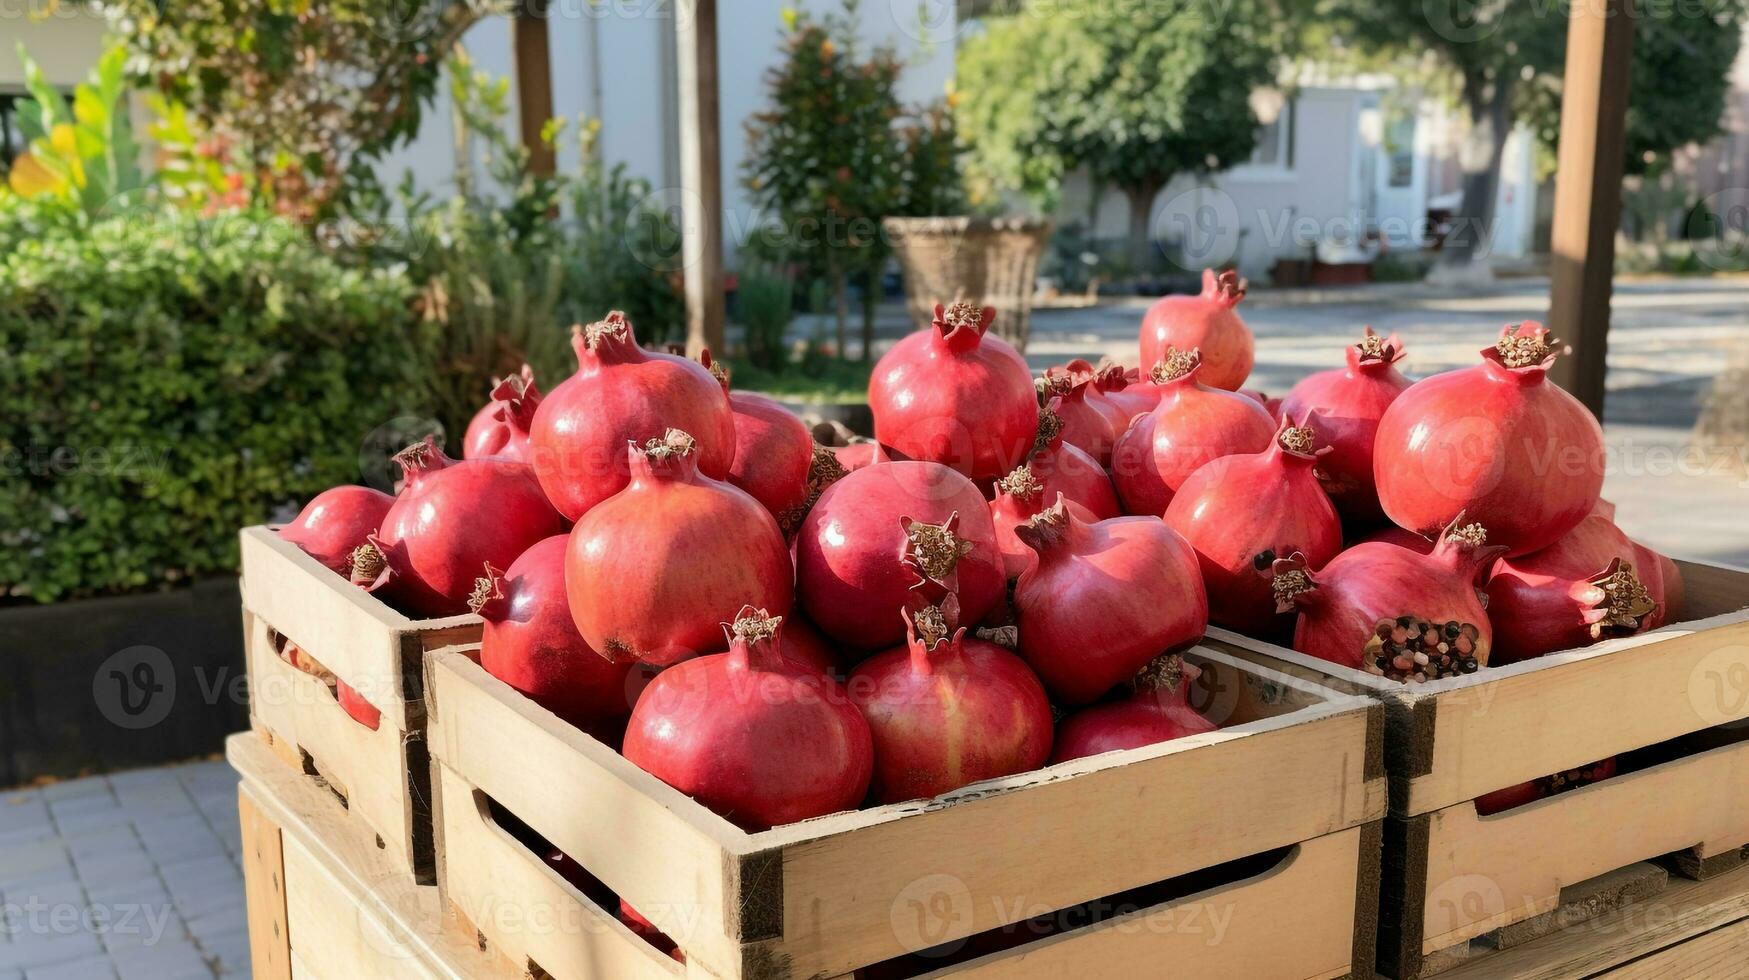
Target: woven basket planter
<point x="988" y="261"/>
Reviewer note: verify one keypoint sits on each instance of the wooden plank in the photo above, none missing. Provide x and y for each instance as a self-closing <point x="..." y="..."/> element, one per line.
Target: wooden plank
<point x="1487" y="872"/>
<point x="1681" y="913"/>
<point x="1594" y="101"/>
<point x="357" y="636"/>
<point x="371" y="769"/>
<point x="1722" y="954"/>
<point x="264" y="892"/>
<point x="337" y="937"/>
<point x="701" y="174"/>
<point x="1271" y="917"/>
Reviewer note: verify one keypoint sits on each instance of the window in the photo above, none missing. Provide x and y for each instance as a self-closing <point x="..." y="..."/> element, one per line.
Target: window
<point x="1275" y="141"/>
<point x="1400" y="150"/>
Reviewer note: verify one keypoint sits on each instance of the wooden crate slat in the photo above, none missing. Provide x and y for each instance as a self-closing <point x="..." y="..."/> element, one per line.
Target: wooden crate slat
<point x="1722" y="954"/>
<point x="264" y="891"/>
<point x="339" y="938"/>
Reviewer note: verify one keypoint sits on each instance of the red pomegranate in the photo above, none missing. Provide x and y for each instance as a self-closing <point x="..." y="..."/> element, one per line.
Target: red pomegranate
<point x="874" y="534"/>
<point x="531" y="643"/>
<point x="1205" y="322"/>
<point x="1020" y="498"/>
<point x="1349" y="403"/>
<point x="1561" y="782"/>
<point x="335" y="521"/>
<point x="1104" y="599"/>
<point x="1156" y="710"/>
<point x="356" y="707"/>
<point x="450" y="519"/>
<point x="774" y="454"/>
<point x="956" y="395"/>
<point x="622" y="393"/>
<point x="1089" y="420"/>
<point x="1128" y="390"/>
<point x="862" y="453"/>
<point x="1062" y="468"/>
<point x="947" y="710"/>
<point x="1391" y="611"/>
<point x="750" y="735"/>
<point x="653" y="571"/>
<point x="501" y="427"/>
<point x="1577" y="591"/>
<point x="1191" y="425"/>
<point x="1496" y="442"/>
<point x="1243" y="512"/>
<point x="1664" y="580"/>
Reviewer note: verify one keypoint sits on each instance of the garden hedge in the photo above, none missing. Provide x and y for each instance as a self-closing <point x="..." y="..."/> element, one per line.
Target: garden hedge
<point x="167" y="378"/>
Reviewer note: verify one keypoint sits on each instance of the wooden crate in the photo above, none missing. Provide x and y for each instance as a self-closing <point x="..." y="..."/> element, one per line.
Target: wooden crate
<point x="1672" y="702"/>
<point x="1268" y="827"/>
<point x="383" y="775"/>
<point x="323" y="901"/>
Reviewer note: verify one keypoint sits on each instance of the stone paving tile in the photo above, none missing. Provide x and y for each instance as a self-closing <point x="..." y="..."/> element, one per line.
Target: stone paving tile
<point x="94" y="968"/>
<point x="230" y="952"/>
<point x="29" y="949"/>
<point x="203" y="886"/>
<point x="168" y="960"/>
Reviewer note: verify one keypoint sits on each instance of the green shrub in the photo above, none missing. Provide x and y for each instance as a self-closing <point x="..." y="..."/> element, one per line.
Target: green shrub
<point x="166" y="379"/>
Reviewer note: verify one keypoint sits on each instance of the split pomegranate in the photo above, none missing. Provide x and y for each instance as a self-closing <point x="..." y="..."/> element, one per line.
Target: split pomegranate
<point x="335" y="521"/>
<point x="622" y="393"/>
<point x="1191" y="425"/>
<point x="450" y="519"/>
<point x="957" y="395"/>
<point x="774" y="456"/>
<point x="1536" y="789"/>
<point x="1019" y="498"/>
<point x="501" y="427"/>
<point x="1497" y="442"/>
<point x="1393" y="612"/>
<point x="1349" y="402"/>
<point x="1243" y="512"/>
<point x="1205" y="322"/>
<point x="356" y="707"/>
<point x="1156" y="710"/>
<point x="531" y="643"/>
<point x="750" y="735"/>
<point x="1066" y="469"/>
<point x="655" y="570"/>
<point x="1090" y="421"/>
<point x="947" y="710"/>
<point x="1586" y="587"/>
<point x="1104" y="599"/>
<point x="879" y="534"/>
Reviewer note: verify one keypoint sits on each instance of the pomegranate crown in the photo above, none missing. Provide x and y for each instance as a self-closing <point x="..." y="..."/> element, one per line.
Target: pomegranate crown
<point x="932" y="553"/>
<point x="718" y="369"/>
<point x="1050" y="429"/>
<point x="1300" y="440"/>
<point x="609" y="338"/>
<point x="1050" y="527"/>
<point x="673" y="453"/>
<point x="754" y="638"/>
<point x="369" y="564"/>
<point x="1177" y="365"/>
<point x="424" y="456"/>
<point x="1463" y="545"/>
<point x="1062" y="383"/>
<point x="1291" y="582"/>
<point x="824" y="469"/>
<point x="931" y="627"/>
<point x="1020" y="484"/>
<point x="517" y="396"/>
<point x="1374" y="351"/>
<point x="1525" y="346"/>
<point x="488" y="596"/>
<point x="1111" y="377"/>
<point x="1226" y="287"/>
<point x="962" y="324"/>
<point x="1167" y="672"/>
<point x="1619" y="603"/>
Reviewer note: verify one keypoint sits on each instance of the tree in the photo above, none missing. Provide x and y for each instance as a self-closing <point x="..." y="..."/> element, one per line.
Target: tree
<point x="1137" y="95"/>
<point x="825" y="161"/>
<point x="1508" y="58"/>
<point x="310" y="93"/>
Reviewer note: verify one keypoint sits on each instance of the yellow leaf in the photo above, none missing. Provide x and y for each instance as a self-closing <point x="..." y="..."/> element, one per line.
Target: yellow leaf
<point x="65" y="140"/>
<point x="30" y="178"/>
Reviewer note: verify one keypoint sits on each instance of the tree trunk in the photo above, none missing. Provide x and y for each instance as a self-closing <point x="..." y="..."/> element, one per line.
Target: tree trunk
<point x="1141" y="245"/>
<point x="1489" y="102"/>
<point x="871" y="297"/>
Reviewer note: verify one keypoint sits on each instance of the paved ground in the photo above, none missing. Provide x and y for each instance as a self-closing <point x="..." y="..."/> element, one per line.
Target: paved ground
<point x="130" y="877"/>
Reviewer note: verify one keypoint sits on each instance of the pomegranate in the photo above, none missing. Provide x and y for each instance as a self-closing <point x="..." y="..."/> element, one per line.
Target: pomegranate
<point x="1103" y="599"/>
<point x="774" y="457"/>
<point x="1536" y="789"/>
<point x="750" y="735"/>
<point x="947" y="710"/>
<point x="1392" y="612"/>
<point x="1191" y="425"/>
<point x="1126" y="389"/>
<point x="862" y="453"/>
<point x="501" y="427"/>
<point x="1240" y="513"/>
<point x="1392" y="534"/>
<point x="450" y="519"/>
<point x="1089" y="420"/>
<point x="956" y="395"/>
<point x="1664" y="580"/>
<point x="1496" y="442"/>
<point x="874" y="534"/>
<point x="1205" y="322"/>
<point x="531" y="643"/>
<point x="1019" y="498"/>
<point x="1349" y="402"/>
<point x="1577" y="591"/>
<point x="653" y="571"/>
<point x="1156" y="710"/>
<point x="356" y="707"/>
<point x="333" y="523"/>
<point x="622" y="393"/>
<point x="1060" y="467"/>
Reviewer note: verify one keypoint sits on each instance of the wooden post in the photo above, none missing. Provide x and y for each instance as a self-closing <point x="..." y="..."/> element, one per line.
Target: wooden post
<point x="701" y="174"/>
<point x="534" y="83"/>
<point x="1594" y="101"/>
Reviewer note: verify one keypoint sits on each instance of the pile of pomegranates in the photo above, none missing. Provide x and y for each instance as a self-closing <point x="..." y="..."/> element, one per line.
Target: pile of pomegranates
<point x="1010" y="573"/>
